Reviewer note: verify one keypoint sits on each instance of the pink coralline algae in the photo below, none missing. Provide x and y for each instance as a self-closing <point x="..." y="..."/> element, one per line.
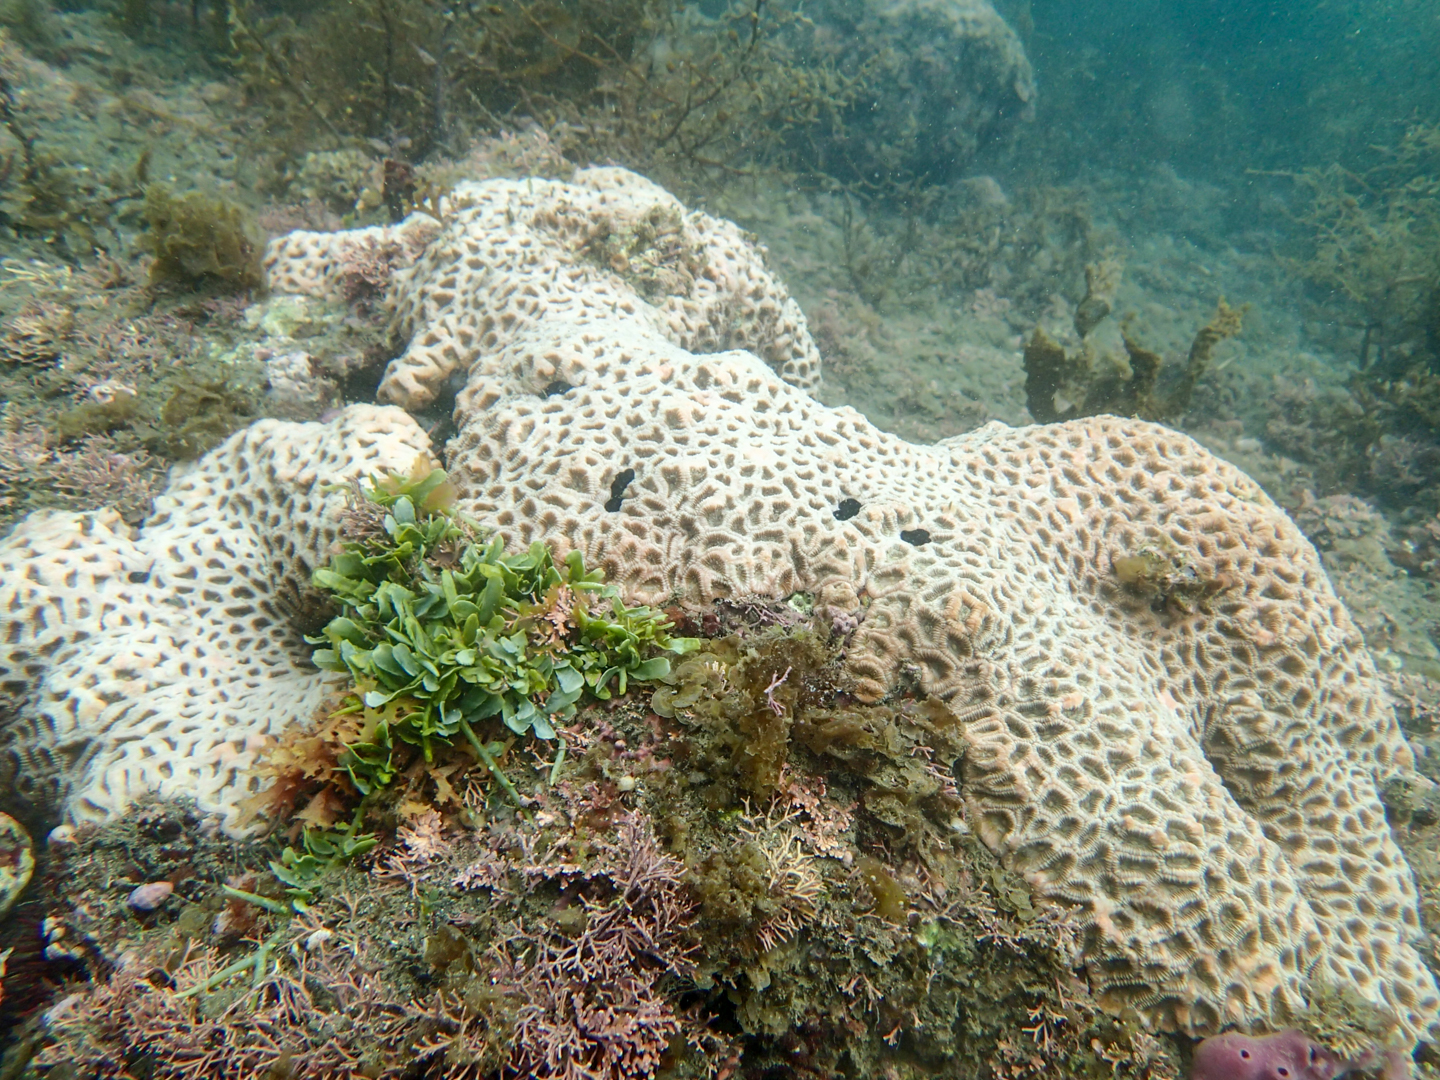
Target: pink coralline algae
<point x="1285" y="1055"/>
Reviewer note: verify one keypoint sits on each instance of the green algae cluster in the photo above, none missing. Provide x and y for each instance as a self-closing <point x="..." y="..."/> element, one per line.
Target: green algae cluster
<point x="445" y="630"/>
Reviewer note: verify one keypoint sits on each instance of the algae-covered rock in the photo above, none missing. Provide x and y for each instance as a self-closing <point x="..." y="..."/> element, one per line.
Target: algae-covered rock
<point x="942" y="78"/>
<point x="17" y="863"/>
<point x="32" y="23"/>
<point x="645" y="908"/>
<point x="199" y="415"/>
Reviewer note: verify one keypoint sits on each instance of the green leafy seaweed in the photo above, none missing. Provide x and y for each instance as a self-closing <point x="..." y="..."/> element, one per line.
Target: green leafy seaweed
<point x="442" y="630"/>
<point x="323" y="850"/>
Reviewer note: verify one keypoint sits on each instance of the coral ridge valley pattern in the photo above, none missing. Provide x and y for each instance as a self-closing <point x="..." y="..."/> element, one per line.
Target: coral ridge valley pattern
<point x="1173" y="729"/>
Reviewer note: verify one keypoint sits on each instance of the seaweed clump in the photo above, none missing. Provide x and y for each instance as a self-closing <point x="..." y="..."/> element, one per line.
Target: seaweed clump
<point x="763" y="684"/>
<point x="649" y="82"/>
<point x="846" y="912"/>
<point x="1375" y="244"/>
<point x="441" y="630"/>
<point x="1061" y="384"/>
<point x="200" y="240"/>
<point x="1163" y="575"/>
<point x="414" y="73"/>
<point x="660" y="906"/>
<point x="1376" y="435"/>
<point x="1375" y="250"/>
<point x="199" y="415"/>
<point x="195" y="416"/>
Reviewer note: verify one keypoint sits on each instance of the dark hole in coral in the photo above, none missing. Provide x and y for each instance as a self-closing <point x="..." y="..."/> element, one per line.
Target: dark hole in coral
<point x="559" y="386"/>
<point x="847" y="509"/>
<point x="364" y="366"/>
<point x="915" y="536"/>
<point x="138" y="577"/>
<point x="617" y="489"/>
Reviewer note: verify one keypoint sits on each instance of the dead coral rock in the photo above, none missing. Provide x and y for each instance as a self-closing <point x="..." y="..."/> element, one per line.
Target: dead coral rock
<point x="954" y="75"/>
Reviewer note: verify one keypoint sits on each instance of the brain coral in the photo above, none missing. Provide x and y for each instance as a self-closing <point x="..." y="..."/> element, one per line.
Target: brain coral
<point x="1188" y="761"/>
<point x="1174" y="730"/>
<point x="160" y="662"/>
<point x="606" y="240"/>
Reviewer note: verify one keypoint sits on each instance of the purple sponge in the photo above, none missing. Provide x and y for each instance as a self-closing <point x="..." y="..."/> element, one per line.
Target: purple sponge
<point x="1286" y="1055"/>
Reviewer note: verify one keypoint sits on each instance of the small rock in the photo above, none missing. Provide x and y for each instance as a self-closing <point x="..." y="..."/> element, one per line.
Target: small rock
<point x="17" y="862"/>
<point x="151" y="896"/>
<point x="1411" y="799"/>
<point x="63" y="1008"/>
<point x="58" y="943"/>
<point x="982" y="191"/>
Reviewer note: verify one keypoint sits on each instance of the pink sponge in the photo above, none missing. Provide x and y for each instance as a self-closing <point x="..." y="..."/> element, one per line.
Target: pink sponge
<point x="1286" y="1055"/>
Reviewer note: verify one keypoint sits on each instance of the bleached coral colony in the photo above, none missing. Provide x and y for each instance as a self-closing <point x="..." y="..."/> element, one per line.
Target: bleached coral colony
<point x="1189" y="762"/>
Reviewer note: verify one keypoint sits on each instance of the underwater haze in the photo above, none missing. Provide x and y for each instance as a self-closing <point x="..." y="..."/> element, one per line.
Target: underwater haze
<point x="597" y="539"/>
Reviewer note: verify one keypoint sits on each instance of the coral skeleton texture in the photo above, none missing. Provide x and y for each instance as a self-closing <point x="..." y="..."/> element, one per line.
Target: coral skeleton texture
<point x="1191" y="769"/>
<point x="160" y="661"/>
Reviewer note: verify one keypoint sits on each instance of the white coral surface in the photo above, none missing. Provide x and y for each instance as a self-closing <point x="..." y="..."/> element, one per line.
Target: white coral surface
<point x="160" y="663"/>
